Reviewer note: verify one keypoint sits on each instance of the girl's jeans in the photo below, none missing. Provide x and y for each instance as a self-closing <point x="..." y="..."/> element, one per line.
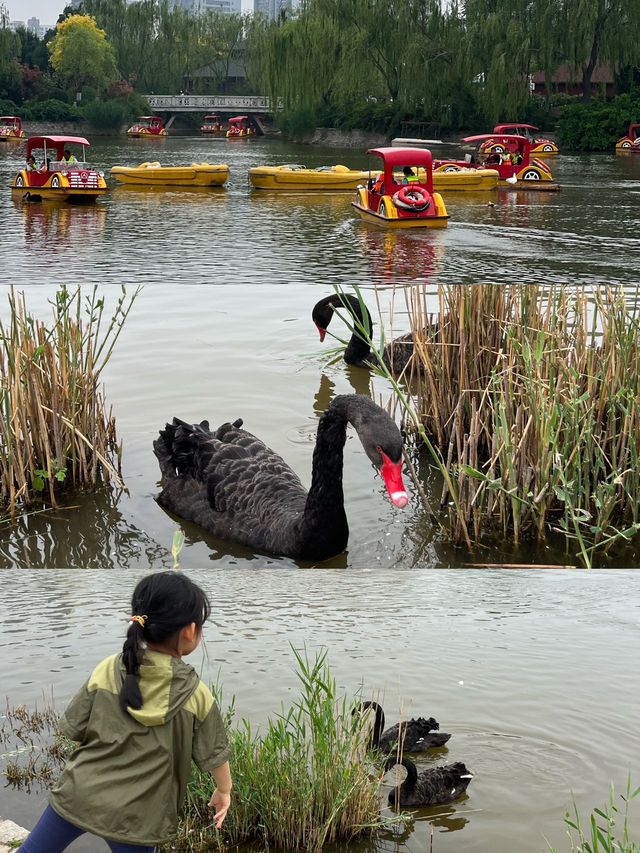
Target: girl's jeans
<point x="53" y="834"/>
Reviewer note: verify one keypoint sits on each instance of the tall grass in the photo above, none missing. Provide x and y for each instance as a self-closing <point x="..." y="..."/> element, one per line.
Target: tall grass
<point x="304" y="783"/>
<point x="55" y="427"/>
<point x="608" y="827"/>
<point x="528" y="400"/>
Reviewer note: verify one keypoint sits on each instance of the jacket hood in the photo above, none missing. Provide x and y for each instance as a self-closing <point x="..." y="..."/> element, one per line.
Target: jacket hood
<point x="166" y="683"/>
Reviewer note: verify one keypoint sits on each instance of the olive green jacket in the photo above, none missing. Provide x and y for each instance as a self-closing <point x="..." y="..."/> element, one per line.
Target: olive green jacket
<point x="127" y="778"/>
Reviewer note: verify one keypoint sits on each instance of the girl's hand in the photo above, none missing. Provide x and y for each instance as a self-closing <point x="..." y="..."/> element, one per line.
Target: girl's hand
<point x="220" y="802"/>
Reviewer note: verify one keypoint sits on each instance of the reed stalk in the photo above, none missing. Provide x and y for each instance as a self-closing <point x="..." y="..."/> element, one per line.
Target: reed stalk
<point x="528" y="402"/>
<point x="55" y="428"/>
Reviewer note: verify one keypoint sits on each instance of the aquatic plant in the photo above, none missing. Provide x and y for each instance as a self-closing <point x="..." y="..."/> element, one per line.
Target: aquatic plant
<point x="608" y="830"/>
<point x="55" y="428"/>
<point x="527" y="401"/>
<point x="304" y="783"/>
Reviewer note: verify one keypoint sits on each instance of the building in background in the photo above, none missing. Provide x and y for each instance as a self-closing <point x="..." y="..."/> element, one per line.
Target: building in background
<point x="272" y="9"/>
<point x="33" y="25"/>
<point x="196" y="7"/>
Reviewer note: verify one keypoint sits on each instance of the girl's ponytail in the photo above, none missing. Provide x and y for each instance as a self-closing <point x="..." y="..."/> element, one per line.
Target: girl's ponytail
<point x="132" y="654"/>
<point x="169" y="602"/>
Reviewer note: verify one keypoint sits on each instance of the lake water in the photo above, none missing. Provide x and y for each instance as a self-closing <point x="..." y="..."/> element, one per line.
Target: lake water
<point x="533" y="673"/>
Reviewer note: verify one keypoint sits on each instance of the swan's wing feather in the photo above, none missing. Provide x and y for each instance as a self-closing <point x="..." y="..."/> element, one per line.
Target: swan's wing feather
<point x="229" y="482"/>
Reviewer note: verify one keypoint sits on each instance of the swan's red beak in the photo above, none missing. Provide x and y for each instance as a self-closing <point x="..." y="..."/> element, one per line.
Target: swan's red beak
<point x="322" y="331"/>
<point x="392" y="476"/>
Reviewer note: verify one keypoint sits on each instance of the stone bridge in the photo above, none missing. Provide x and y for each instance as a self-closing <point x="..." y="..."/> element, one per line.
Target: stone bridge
<point x="254" y="106"/>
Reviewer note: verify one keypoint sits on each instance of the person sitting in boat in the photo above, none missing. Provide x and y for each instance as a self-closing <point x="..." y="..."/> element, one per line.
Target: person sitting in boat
<point x="378" y="184"/>
<point x="32" y="166"/>
<point x="409" y="175"/>
<point x="494" y="159"/>
<point x="516" y="158"/>
<point x="67" y="157"/>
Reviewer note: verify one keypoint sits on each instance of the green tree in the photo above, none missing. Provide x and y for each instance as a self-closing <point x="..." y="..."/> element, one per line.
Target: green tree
<point x="81" y="55"/>
<point x="10" y="76"/>
<point x="33" y="50"/>
<point x="597" y="31"/>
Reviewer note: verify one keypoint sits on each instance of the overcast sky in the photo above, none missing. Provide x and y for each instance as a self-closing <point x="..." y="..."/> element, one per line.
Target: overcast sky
<point x="48" y="10"/>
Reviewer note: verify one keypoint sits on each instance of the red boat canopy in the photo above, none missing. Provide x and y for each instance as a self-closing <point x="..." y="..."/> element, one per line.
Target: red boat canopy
<point x="238" y="119"/>
<point x="506" y="137"/>
<point x="403" y="156"/>
<point x="505" y="128"/>
<point x="57" y="142"/>
<point x="12" y="119"/>
<point x="212" y="115"/>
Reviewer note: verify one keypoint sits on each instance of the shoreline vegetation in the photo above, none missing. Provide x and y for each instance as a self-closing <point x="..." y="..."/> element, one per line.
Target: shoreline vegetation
<point x="309" y="779"/>
<point x="525" y="399"/>
<point x="306" y="780"/>
<point x="56" y="430"/>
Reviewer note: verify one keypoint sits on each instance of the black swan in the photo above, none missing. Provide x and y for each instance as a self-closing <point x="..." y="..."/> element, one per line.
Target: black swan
<point x="414" y="735"/>
<point x="396" y="355"/>
<point x="431" y="787"/>
<point x="237" y="488"/>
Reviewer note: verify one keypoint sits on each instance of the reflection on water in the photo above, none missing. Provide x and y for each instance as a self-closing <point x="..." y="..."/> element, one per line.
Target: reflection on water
<point x="402" y="255"/>
<point x="54" y="227"/>
<point x="86" y="532"/>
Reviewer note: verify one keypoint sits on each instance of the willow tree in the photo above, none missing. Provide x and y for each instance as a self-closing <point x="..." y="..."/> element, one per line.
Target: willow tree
<point x="9" y="53"/>
<point x="503" y="50"/>
<point x="597" y="31"/>
<point x="131" y="29"/>
<point x="297" y="61"/>
<point x="435" y="60"/>
<point x="217" y="40"/>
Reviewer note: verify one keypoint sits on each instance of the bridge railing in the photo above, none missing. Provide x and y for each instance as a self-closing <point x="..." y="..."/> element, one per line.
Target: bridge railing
<point x="211" y="103"/>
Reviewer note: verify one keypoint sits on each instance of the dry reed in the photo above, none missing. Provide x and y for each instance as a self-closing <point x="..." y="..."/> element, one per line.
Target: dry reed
<point x="531" y="397"/>
<point x="55" y="428"/>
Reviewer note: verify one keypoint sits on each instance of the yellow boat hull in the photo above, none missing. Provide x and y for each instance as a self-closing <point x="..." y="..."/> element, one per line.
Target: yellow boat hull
<point x="387" y="213"/>
<point x="59" y="186"/>
<point x="298" y="179"/>
<point x="155" y="175"/>
<point x="465" y="180"/>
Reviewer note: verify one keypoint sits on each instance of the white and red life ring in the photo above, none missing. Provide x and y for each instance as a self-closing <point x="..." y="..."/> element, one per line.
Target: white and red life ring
<point x="411" y="197"/>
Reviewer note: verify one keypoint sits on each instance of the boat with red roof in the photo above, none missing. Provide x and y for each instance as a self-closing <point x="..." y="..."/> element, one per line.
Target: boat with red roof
<point x="516" y="168"/>
<point x="402" y="194"/>
<point x="56" y="170"/>
<point x="539" y="144"/>
<point x="148" y="127"/>
<point x="11" y="129"/>
<point x="631" y="142"/>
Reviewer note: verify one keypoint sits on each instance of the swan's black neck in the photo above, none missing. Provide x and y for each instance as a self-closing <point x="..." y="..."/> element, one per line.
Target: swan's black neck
<point x="358" y="351"/>
<point x="324" y="525"/>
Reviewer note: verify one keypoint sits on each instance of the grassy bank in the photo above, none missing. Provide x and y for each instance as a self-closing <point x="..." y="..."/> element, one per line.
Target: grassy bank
<point x="56" y="430"/>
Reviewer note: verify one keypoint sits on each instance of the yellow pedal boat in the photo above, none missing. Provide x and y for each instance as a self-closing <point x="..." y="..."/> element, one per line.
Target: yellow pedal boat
<point x="302" y="179"/>
<point x="340" y="178"/>
<point x="458" y="179"/>
<point x="155" y="175"/>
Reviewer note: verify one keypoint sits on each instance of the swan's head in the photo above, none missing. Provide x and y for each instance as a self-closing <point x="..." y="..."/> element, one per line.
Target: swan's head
<point x="321" y="316"/>
<point x="382" y="442"/>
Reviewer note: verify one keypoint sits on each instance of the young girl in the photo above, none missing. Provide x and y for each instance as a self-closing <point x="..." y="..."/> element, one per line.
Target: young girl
<point x="139" y="720"/>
